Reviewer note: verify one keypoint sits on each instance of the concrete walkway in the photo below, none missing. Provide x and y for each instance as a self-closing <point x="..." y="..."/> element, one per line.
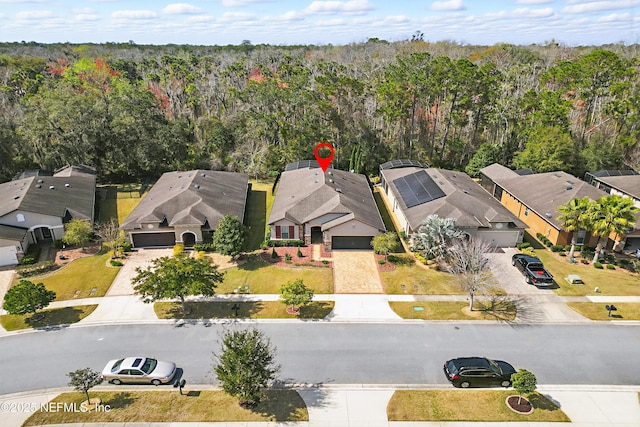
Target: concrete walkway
<point x="366" y="405"/>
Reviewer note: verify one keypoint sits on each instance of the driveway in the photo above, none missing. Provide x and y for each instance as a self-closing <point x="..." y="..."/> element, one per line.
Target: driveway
<point x="355" y="272"/>
<point x="510" y="278"/>
<point x="141" y="258"/>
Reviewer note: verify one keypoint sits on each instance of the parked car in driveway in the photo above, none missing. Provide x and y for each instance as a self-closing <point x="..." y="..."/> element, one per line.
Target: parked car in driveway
<point x="139" y="370"/>
<point x="478" y="372"/>
<point x="533" y="270"/>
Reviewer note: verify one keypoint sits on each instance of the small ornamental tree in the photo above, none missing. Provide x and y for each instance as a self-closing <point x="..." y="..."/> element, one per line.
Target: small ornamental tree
<point x="295" y="293"/>
<point x="177" y="277"/>
<point x="77" y="232"/>
<point x="245" y="365"/>
<point x="27" y="297"/>
<point x="385" y="243"/>
<point x="84" y="380"/>
<point x="229" y="236"/>
<point x="110" y="234"/>
<point x="523" y="382"/>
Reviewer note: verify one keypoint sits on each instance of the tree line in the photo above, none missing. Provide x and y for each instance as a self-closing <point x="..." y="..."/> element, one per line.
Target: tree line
<point x="137" y="111"/>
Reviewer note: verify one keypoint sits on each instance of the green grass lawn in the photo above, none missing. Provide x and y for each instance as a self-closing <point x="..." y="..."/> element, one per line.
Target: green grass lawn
<point x="467" y="405"/>
<point x="259" y="202"/>
<point x="170" y="406"/>
<point x="597" y="311"/>
<point x="610" y="282"/>
<point x="429" y="282"/>
<point x="263" y="278"/>
<point x="127" y="198"/>
<point x="454" y="310"/>
<point x="51" y="317"/>
<point x="82" y="274"/>
<point x="252" y="310"/>
<point x="384" y="212"/>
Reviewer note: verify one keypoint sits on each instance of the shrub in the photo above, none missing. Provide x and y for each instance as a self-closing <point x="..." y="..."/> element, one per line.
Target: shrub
<point x="584" y="261"/>
<point x="287" y="257"/>
<point x="597" y="265"/>
<point x="178" y="249"/>
<point x="611" y="267"/>
<point x="562" y="253"/>
<point x="588" y="248"/>
<point x="403" y="235"/>
<point x="420" y="258"/>
<point x="300" y="253"/>
<point x="28" y="259"/>
<point x="523" y="245"/>
<point x="547" y="242"/>
<point x="392" y="258"/>
<point x="36" y="269"/>
<point x="285" y="243"/>
<point x="623" y="261"/>
<point x="325" y="262"/>
<point x="125" y="246"/>
<point x="381" y="261"/>
<point x="115" y="263"/>
<point x="567" y="247"/>
<point x="557" y="248"/>
<point x="540" y="236"/>
<point x="587" y="254"/>
<point x="205" y="247"/>
<point x="274" y="254"/>
<point x="57" y="244"/>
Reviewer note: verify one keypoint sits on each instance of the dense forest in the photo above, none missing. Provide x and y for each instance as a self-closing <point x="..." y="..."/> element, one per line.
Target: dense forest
<point x="134" y="111"/>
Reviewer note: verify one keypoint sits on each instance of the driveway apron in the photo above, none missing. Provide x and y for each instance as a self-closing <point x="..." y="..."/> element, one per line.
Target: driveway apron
<point x="355" y="272"/>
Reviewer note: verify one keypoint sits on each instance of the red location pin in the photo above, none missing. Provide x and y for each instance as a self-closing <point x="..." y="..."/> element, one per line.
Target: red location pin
<point x="324" y="162"/>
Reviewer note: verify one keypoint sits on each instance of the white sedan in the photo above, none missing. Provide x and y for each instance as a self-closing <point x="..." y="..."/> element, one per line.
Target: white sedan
<point x="139" y="370"/>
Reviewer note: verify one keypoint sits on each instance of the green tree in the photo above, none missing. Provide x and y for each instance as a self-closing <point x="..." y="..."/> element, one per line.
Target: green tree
<point x="434" y="235"/>
<point x="27" y="297"/>
<point x="385" y="243"/>
<point x="295" y="293"/>
<point x="467" y="260"/>
<point x="77" y="232"/>
<point x="573" y="217"/>
<point x="229" y="236"/>
<point x="523" y="382"/>
<point x="245" y="365"/>
<point x="608" y="215"/>
<point x="84" y="380"/>
<point x="486" y="155"/>
<point x="547" y="149"/>
<point x="176" y="277"/>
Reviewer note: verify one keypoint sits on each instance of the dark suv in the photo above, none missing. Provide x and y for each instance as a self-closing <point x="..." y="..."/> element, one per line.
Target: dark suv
<point x="478" y="371"/>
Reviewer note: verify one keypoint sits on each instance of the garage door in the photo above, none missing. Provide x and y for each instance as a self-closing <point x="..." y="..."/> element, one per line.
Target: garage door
<point x="153" y="239"/>
<point x="351" y="242"/>
<point x="500" y="239"/>
<point x="8" y="256"/>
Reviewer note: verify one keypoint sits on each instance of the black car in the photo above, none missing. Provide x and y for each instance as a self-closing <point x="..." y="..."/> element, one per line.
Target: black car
<point x="478" y="372"/>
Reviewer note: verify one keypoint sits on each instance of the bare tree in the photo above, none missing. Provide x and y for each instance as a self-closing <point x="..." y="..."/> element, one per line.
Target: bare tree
<point x="467" y="260"/>
<point x="109" y="233"/>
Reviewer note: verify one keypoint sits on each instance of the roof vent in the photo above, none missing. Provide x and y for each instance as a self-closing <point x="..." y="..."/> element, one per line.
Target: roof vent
<point x="465" y="191"/>
<point x="197" y="186"/>
<point x="40" y="181"/>
<point x="67" y="185"/>
<point x="352" y="171"/>
<point x="569" y="188"/>
<point x="51" y="187"/>
<point x="548" y="215"/>
<point x="330" y="180"/>
<point x="16" y="197"/>
<point x="203" y="174"/>
<point x="339" y="190"/>
<point x="330" y="173"/>
<point x="38" y="186"/>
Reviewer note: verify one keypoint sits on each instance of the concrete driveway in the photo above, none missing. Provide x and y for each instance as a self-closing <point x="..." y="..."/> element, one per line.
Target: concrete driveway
<point x="355" y="272"/>
<point x="141" y="258"/>
<point x="510" y="278"/>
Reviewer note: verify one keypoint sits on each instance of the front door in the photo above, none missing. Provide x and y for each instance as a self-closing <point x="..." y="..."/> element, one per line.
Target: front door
<point x="316" y="236"/>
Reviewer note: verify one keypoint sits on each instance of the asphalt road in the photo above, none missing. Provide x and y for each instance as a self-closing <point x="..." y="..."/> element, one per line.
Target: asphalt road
<point x="335" y="353"/>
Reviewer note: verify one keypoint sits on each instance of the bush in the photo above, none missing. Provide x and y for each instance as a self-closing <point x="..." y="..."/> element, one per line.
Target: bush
<point x="274" y="254"/>
<point x="115" y="263"/>
<point x="178" y="249"/>
<point x="392" y="258"/>
<point x="206" y="247"/>
<point x="285" y="243"/>
<point x="567" y="247"/>
<point x="325" y="262"/>
<point x="125" y="246"/>
<point x="588" y="248"/>
<point x="300" y="253"/>
<point x="523" y="245"/>
<point x="611" y="267"/>
<point x="36" y="269"/>
<point x="57" y="244"/>
<point x="540" y="236"/>
<point x="562" y="253"/>
<point x="381" y="261"/>
<point x="584" y="261"/>
<point x="420" y="258"/>
<point x="587" y="254"/>
<point x="403" y="235"/>
<point x="28" y="259"/>
<point x="623" y="261"/>
<point x="287" y="257"/>
<point x="557" y="248"/>
<point x="547" y="242"/>
<point x="597" y="265"/>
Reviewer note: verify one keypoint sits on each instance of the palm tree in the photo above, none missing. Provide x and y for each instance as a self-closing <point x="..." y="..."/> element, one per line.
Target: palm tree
<point x="574" y="218"/>
<point x="610" y="214"/>
<point x="434" y="235"/>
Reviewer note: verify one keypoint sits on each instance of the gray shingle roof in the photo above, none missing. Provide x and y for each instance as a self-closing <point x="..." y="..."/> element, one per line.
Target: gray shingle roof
<point x="307" y="193"/>
<point x="497" y="171"/>
<point x="9" y="232"/>
<point x="629" y="184"/>
<point x="465" y="201"/>
<point x="75" y="194"/>
<point x="191" y="198"/>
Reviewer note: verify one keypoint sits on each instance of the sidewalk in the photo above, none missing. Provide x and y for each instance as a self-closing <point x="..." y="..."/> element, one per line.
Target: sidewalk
<point x="366" y="405"/>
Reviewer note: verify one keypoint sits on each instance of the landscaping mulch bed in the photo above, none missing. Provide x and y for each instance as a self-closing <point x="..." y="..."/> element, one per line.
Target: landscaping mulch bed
<point x="519" y="404"/>
<point x="387" y="266"/>
<point x="304" y="261"/>
<point x="75" y="253"/>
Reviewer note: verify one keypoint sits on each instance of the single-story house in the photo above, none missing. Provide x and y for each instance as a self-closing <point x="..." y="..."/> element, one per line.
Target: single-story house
<point x="186" y="207"/>
<point x="623" y="183"/>
<point x="535" y="199"/>
<point x="416" y="192"/>
<point x="36" y="206"/>
<point x="335" y="208"/>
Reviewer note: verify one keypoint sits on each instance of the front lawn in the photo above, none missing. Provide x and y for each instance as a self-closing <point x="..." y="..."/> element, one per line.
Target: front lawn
<point x="51" y="317"/>
<point x="454" y="310"/>
<point x="169" y="406"/>
<point x="79" y="278"/>
<point x="246" y="310"/>
<point x="611" y="282"/>
<point x="597" y="311"/>
<point x="263" y="278"/>
<point x="467" y="405"/>
<point x="417" y="280"/>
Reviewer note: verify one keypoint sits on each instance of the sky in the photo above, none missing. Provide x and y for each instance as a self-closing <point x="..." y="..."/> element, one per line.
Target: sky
<point x="338" y="22"/>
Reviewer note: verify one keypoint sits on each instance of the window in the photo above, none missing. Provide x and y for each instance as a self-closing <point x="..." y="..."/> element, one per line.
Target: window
<point x="20" y="218"/>
<point x="526" y="211"/>
<point x="285" y="232"/>
<point x="580" y="237"/>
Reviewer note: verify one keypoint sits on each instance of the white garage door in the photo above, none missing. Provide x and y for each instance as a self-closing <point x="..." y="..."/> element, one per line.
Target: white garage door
<point x="8" y="256"/>
<point x="500" y="239"/>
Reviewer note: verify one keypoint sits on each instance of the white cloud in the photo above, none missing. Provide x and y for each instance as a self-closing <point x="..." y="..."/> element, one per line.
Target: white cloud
<point x="23" y="1"/>
<point x="199" y="19"/>
<point x="87" y="17"/>
<point x="84" y="10"/>
<point x="448" y="5"/>
<point x="534" y="1"/>
<point x="599" y="6"/>
<point x="334" y="7"/>
<point x="34" y="14"/>
<point x="240" y="3"/>
<point x="525" y="12"/>
<point x="134" y="14"/>
<point x="615" y="17"/>
<point x="237" y="16"/>
<point x="181" y="9"/>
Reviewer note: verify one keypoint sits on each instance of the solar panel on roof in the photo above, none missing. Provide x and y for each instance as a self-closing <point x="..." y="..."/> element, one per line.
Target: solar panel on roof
<point x="417" y="188"/>
<point x="401" y="163"/>
<point x="301" y="165"/>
